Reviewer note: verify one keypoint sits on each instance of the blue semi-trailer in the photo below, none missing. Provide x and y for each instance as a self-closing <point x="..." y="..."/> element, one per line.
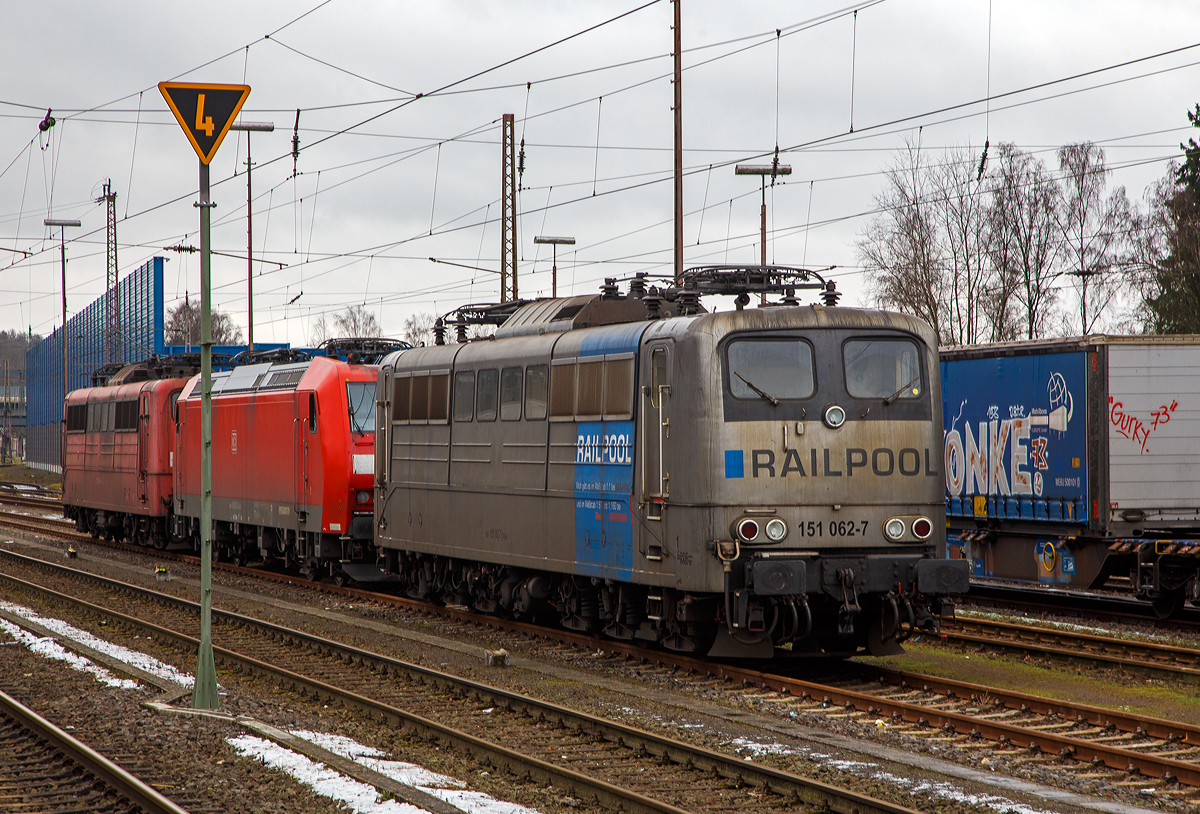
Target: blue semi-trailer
<point x="1075" y="462"/>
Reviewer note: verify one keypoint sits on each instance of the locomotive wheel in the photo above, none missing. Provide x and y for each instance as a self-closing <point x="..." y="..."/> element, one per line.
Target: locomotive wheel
<point x="1166" y="604"/>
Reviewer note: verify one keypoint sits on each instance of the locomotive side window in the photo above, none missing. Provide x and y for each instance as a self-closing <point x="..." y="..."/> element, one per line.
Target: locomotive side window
<point x="510" y="394"/>
<point x="361" y="398"/>
<point x="77" y="418"/>
<point x="127" y="416"/>
<point x="464" y="395"/>
<point x="400" y="393"/>
<point x="420" y="398"/>
<point x="535" y="392"/>
<point x="658" y="373"/>
<point x="312" y="412"/>
<point x="770" y="369"/>
<point x="562" y="391"/>
<point x="589" y="389"/>
<point x="487" y="395"/>
<point x="439" y="396"/>
<point x="175" y="405"/>
<point x="618" y="388"/>
<point x="886" y="369"/>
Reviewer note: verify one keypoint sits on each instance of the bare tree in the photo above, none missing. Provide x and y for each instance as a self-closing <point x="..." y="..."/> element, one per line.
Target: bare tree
<point x="1092" y="228"/>
<point x="418" y="329"/>
<point x="319" y="331"/>
<point x="977" y="305"/>
<point x="354" y="321"/>
<point x="900" y="249"/>
<point x="1024" y="235"/>
<point x="183" y="326"/>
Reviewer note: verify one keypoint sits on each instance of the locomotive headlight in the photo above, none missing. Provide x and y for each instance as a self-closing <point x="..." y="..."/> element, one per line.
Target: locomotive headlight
<point x="362" y="496"/>
<point x="835" y="416"/>
<point x="922" y="528"/>
<point x="894" y="528"/>
<point x="748" y="530"/>
<point x="776" y="530"/>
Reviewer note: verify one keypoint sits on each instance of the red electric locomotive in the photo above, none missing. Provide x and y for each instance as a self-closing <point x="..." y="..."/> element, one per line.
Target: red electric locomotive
<point x="293" y="448"/>
<point x="118" y="449"/>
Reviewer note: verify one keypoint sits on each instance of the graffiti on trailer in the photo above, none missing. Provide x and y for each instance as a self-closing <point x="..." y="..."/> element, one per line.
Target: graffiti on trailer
<point x="1132" y="427"/>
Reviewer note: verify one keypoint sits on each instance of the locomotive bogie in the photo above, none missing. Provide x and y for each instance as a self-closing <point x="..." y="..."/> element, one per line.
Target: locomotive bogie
<point x="622" y="478"/>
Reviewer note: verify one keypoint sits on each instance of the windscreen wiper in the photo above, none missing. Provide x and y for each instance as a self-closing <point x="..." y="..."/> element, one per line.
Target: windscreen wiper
<point x="896" y="395"/>
<point x="758" y="390"/>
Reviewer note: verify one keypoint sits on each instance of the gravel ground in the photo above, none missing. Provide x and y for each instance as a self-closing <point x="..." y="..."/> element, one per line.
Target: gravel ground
<point x="653" y="699"/>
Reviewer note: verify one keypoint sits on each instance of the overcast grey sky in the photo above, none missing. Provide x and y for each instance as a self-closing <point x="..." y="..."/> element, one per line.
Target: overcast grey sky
<point x="385" y="181"/>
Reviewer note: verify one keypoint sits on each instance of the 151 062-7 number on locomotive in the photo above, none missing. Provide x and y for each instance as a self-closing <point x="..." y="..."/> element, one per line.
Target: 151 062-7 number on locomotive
<point x="723" y="483"/>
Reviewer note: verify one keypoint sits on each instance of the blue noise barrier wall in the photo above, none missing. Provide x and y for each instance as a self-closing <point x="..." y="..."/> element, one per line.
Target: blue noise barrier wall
<point x="140" y="304"/>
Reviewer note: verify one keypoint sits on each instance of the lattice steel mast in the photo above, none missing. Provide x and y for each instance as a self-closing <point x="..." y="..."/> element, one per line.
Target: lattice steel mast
<point x="112" y="304"/>
<point x="508" y="210"/>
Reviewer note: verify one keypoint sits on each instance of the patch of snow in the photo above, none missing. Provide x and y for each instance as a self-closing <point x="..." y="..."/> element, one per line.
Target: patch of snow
<point x="945" y="791"/>
<point x="442" y="786"/>
<point x="133" y="658"/>
<point x="358" y="797"/>
<point x="48" y="648"/>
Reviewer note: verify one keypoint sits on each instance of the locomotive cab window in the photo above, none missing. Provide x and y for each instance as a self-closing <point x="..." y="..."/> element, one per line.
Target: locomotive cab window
<point x="658" y="374"/>
<point x="771" y="369"/>
<point x="312" y="412"/>
<point x="361" y="398"/>
<point x="887" y="369"/>
<point x="510" y="394"/>
<point x="487" y="395"/>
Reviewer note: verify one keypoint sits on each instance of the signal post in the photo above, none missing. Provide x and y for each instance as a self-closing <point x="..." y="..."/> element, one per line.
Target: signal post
<point x="205" y="113"/>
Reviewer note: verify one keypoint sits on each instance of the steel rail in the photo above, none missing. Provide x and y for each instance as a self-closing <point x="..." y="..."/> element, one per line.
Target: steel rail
<point x="100" y="767"/>
<point x="1171" y="660"/>
<point x="770" y="781"/>
<point x="1099" y="716"/>
<point x="1113" y="756"/>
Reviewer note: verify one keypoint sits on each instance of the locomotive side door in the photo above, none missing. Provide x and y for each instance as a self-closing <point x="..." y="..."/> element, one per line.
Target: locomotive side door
<point x="144" y="449"/>
<point x="655" y="430"/>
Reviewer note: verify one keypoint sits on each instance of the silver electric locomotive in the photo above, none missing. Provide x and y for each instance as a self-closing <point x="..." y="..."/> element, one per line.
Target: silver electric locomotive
<point x="723" y="483"/>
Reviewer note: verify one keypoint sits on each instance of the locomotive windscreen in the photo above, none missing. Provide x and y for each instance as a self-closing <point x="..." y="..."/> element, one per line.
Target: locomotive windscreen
<point x="361" y="396"/>
<point x="771" y="368"/>
<point x="882" y="369"/>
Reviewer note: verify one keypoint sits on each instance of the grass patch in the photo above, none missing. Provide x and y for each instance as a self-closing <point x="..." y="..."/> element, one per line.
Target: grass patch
<point x="1081" y="684"/>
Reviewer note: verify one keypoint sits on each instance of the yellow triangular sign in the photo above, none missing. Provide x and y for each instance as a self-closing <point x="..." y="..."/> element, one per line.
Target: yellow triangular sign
<point x="204" y="112"/>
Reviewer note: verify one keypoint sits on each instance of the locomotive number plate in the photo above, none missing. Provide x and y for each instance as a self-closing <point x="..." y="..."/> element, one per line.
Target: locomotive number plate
<point x="832" y="528"/>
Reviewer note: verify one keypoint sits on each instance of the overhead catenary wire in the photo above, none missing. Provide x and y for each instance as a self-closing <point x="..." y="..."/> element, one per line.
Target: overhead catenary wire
<point x="594" y="181"/>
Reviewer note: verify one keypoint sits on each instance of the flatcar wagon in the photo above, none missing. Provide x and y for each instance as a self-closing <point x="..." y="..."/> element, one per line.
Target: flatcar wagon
<point x="118" y="451"/>
<point x="721" y="483"/>
<point x="293" y="455"/>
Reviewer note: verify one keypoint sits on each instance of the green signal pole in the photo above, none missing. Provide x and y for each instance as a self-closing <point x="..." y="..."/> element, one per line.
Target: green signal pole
<point x="204" y="695"/>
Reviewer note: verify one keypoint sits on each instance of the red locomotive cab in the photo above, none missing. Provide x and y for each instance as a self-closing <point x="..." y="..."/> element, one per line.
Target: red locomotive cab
<point x="293" y="465"/>
<point x="338" y="454"/>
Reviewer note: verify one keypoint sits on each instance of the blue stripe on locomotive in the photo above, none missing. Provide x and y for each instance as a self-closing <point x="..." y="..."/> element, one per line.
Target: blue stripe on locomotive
<point x="604" y="474"/>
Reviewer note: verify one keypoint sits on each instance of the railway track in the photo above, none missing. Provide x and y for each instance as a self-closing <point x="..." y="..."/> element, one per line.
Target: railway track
<point x="1140" y="657"/>
<point x="44" y="769"/>
<point x="590" y="757"/>
<point x="1123" y="749"/>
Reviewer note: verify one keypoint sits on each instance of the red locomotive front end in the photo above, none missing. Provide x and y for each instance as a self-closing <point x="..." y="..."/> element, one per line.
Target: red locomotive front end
<point x="293" y="461"/>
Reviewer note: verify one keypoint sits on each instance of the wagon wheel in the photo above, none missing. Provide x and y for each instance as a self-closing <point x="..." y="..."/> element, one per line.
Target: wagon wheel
<point x="1166" y="604"/>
